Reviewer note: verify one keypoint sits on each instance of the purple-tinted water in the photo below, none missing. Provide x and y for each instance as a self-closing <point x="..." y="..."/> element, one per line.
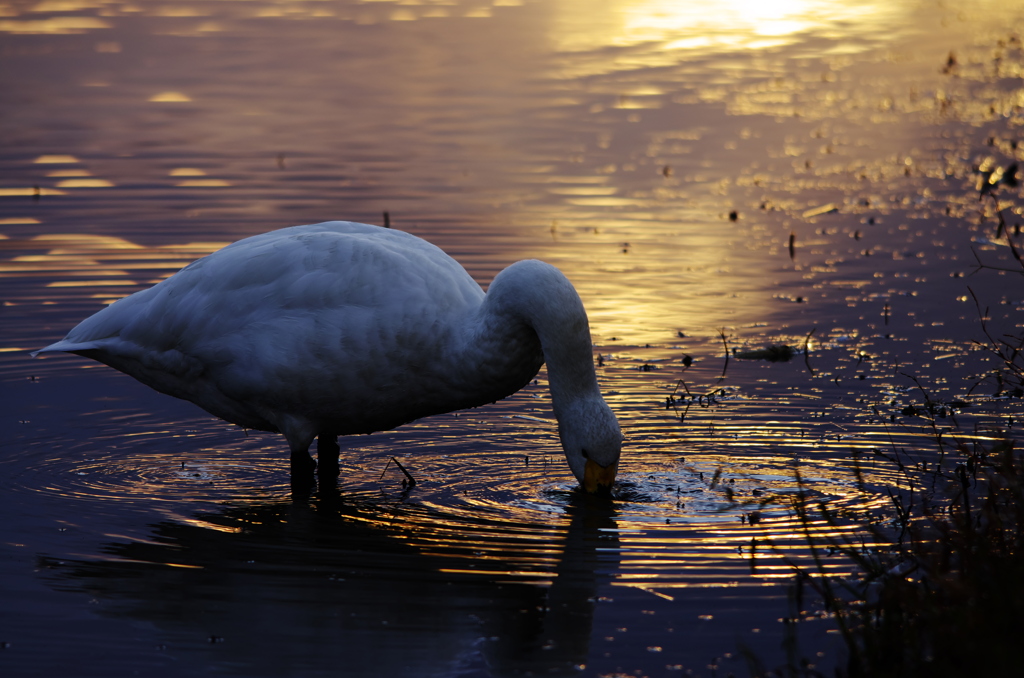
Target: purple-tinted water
<point x="665" y="158"/>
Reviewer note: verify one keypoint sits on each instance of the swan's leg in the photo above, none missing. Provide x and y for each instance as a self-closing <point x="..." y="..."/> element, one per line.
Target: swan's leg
<point x="327" y="455"/>
<point x="302" y="464"/>
<point x="303" y="479"/>
<point x="300" y="434"/>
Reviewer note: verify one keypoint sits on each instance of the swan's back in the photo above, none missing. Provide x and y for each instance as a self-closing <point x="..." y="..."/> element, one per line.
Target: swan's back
<point x="313" y="323"/>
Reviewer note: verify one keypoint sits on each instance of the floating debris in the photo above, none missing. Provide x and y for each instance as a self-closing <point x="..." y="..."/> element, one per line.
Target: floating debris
<point x="818" y="211"/>
<point x="775" y="353"/>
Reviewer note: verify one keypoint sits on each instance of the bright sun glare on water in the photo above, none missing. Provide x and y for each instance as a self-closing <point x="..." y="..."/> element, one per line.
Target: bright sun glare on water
<point x="728" y="24"/>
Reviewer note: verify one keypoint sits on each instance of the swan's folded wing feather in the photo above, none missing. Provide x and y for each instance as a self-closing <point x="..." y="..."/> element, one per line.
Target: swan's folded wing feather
<point x="321" y="318"/>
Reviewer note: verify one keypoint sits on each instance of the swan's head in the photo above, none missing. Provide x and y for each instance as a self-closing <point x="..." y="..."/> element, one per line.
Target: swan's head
<point x="592" y="441"/>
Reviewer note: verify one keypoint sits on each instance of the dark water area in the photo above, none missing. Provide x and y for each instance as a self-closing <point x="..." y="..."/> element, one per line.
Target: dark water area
<point x="714" y="179"/>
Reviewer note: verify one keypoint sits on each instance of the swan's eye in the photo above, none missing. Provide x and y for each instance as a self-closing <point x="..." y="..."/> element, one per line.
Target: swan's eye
<point x="586" y="455"/>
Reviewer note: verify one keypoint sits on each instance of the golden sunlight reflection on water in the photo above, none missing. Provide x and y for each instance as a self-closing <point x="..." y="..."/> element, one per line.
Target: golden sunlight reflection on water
<point x="486" y="501"/>
<point x="714" y="26"/>
<point x="714" y="178"/>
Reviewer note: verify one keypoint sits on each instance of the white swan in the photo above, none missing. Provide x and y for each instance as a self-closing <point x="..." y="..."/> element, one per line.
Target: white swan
<point x="339" y="328"/>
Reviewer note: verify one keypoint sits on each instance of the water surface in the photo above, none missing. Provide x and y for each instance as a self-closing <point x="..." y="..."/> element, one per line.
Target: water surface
<point x="711" y="178"/>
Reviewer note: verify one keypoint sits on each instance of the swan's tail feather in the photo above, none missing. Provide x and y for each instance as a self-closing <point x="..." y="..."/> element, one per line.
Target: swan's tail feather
<point x="67" y="347"/>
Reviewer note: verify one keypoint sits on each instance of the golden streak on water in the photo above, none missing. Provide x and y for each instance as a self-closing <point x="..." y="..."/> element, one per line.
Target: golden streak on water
<point x="74" y="242"/>
<point x="65" y="264"/>
<point x="90" y="283"/>
<point x="61" y="25"/>
<point x="207" y="525"/>
<point x="69" y="173"/>
<point x="495" y="573"/>
<point x="203" y="183"/>
<point x="66" y="5"/>
<point x="583" y="190"/>
<point x="184" y="566"/>
<point x="103" y="262"/>
<point x="12" y="192"/>
<point x="148" y="563"/>
<point x="84" y="183"/>
<point x="180" y="11"/>
<point x="402" y="15"/>
<point x="56" y="160"/>
<point x="202" y="248"/>
<point x="170" y="97"/>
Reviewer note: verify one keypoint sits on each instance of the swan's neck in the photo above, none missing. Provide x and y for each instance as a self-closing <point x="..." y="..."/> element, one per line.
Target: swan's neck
<point x="536" y="303"/>
<point x="534" y="298"/>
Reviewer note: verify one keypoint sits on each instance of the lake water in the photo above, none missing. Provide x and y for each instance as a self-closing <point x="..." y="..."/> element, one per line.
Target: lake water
<point x="711" y="176"/>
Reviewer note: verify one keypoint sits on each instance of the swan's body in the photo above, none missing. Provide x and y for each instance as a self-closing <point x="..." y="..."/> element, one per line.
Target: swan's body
<point x="340" y="328"/>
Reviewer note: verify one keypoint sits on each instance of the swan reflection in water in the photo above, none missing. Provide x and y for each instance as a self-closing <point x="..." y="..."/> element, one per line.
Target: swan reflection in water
<point x="381" y="590"/>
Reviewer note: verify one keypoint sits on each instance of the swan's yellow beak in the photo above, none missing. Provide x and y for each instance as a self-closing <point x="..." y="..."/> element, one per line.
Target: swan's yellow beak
<point x="597" y="478"/>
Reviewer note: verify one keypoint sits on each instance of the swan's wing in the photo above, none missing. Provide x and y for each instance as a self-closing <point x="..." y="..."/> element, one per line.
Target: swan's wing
<point x="304" y="315"/>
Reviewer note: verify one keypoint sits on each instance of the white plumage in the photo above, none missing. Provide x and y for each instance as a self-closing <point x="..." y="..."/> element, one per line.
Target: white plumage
<point x="339" y="328"/>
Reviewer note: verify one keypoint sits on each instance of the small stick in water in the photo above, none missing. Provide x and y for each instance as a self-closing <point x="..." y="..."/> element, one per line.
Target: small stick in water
<point x="725" y="343"/>
<point x="412" y="481"/>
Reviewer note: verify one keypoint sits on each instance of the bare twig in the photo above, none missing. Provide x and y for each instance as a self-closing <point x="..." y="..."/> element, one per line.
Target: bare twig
<point x="807" y="351"/>
<point x="725" y="343"/>
<point x="411" y="480"/>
